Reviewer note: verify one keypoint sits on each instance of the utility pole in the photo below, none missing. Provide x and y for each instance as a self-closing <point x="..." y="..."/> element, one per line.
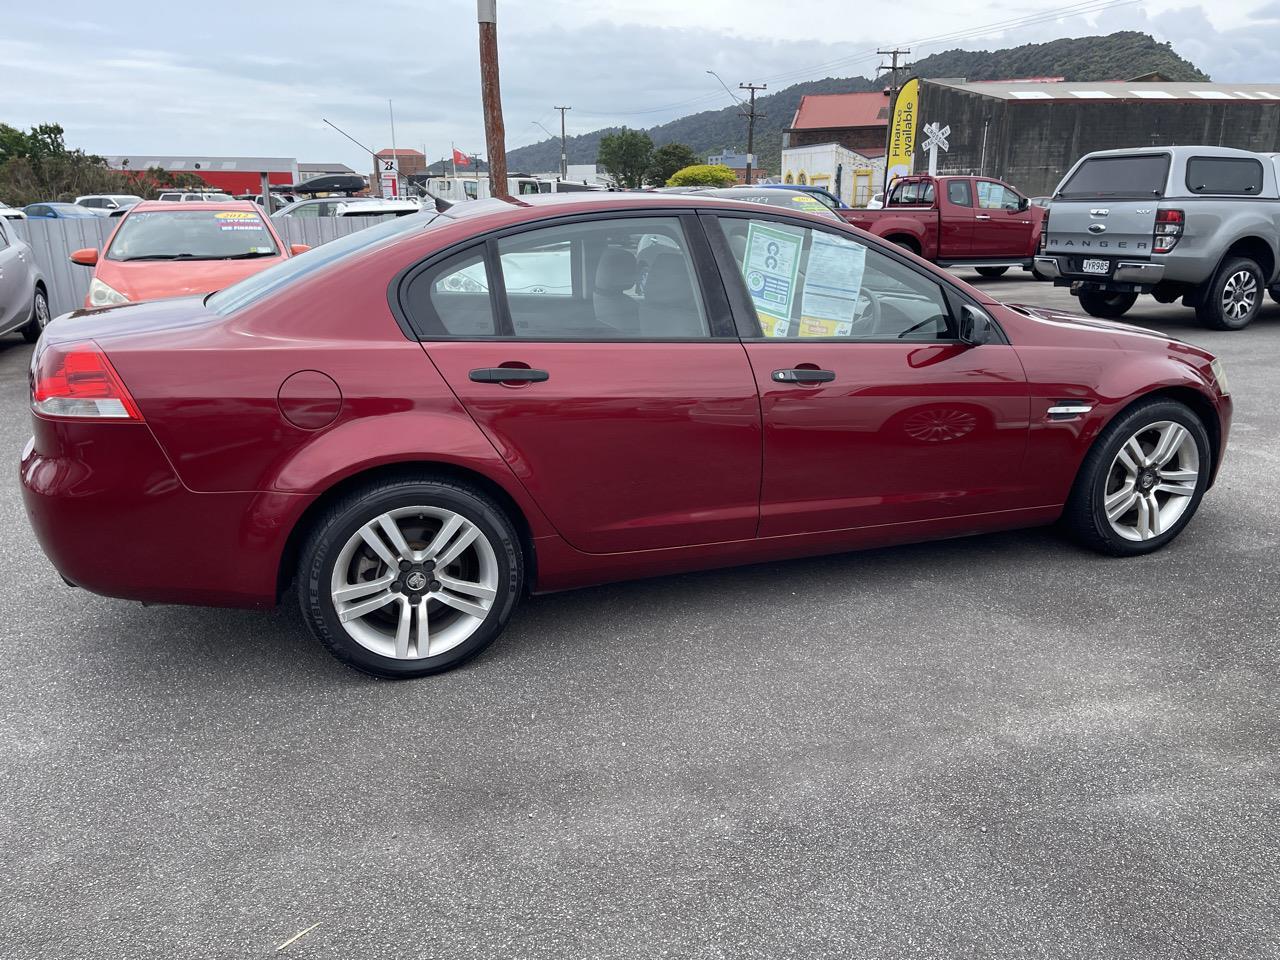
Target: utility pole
<point x="751" y="121"/>
<point x="893" y="69"/>
<point x="564" y="148"/>
<point x="494" y="132"/>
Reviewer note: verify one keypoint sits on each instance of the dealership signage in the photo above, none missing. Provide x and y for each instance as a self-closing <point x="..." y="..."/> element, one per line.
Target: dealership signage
<point x="902" y="132"/>
<point x="389" y="172"/>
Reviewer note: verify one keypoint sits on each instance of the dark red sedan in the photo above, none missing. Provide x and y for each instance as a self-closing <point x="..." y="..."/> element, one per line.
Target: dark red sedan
<point x="415" y="425"/>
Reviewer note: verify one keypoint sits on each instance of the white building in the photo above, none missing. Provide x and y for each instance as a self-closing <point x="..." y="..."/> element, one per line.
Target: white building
<point x="851" y="176"/>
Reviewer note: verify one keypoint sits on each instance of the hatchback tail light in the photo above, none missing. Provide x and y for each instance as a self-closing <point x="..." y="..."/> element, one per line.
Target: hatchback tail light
<point x="77" y="381"/>
<point x="1168" y="230"/>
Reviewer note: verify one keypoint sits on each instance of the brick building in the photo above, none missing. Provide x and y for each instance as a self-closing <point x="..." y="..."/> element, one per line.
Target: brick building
<point x="855" y="121"/>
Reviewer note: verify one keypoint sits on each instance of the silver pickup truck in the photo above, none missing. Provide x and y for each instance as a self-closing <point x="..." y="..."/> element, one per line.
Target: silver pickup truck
<point x="1197" y="223"/>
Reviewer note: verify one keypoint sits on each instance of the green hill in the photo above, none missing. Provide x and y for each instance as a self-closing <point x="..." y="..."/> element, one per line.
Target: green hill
<point x="1117" y="56"/>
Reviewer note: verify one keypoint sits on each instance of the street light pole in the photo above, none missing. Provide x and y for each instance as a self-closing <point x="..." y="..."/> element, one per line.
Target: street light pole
<point x="491" y="96"/>
<point x="564" y="148"/>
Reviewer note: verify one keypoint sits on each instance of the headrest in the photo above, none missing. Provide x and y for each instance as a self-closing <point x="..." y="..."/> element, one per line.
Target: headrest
<point x="738" y="244"/>
<point x="668" y="280"/>
<point x="616" y="270"/>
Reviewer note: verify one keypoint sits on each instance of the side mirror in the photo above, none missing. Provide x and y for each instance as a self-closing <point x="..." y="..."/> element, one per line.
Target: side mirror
<point x="975" y="326"/>
<point x="297" y="248"/>
<point x="87" y="257"/>
<point x="1023" y="203"/>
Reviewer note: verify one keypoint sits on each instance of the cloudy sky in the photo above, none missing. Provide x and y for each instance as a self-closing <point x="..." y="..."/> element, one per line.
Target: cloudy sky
<point x="257" y="78"/>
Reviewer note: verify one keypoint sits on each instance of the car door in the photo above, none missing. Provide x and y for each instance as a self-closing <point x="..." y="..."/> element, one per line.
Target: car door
<point x="624" y="404"/>
<point x="1001" y="229"/>
<point x="13" y="280"/>
<point x="874" y="412"/>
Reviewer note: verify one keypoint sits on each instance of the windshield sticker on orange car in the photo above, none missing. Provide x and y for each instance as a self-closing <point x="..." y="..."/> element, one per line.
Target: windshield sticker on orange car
<point x="235" y="215"/>
<point x="832" y="286"/>
<point x="770" y="266"/>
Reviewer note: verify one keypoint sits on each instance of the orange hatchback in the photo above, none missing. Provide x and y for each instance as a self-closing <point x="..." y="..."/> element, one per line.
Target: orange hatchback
<point x="163" y="249"/>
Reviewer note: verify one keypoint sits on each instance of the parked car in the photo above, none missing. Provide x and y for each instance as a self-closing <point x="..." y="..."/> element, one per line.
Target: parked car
<point x="24" y="297"/>
<point x="278" y="202"/>
<point x="319" y="207"/>
<point x="409" y="455"/>
<point x="376" y="207"/>
<point x="11" y="213"/>
<point x="818" y="193"/>
<point x="786" y="198"/>
<point x="876" y="202"/>
<point x="108" y="205"/>
<point x="160" y="250"/>
<point x="1196" y="223"/>
<point x="200" y="196"/>
<point x="958" y="221"/>
<point x="57" y="211"/>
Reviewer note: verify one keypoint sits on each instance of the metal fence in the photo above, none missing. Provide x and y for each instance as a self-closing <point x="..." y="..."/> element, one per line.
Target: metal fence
<point x="52" y="242"/>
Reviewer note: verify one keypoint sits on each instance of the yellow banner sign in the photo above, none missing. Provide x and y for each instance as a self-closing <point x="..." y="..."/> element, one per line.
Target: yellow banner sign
<point x="902" y="133"/>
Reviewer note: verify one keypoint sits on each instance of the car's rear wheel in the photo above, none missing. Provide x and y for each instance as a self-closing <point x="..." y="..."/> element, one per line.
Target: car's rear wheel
<point x="1233" y="297"/>
<point x="39" y="317"/>
<point x="991" y="271"/>
<point x="1108" y="306"/>
<point x="1143" y="480"/>
<point x="410" y="577"/>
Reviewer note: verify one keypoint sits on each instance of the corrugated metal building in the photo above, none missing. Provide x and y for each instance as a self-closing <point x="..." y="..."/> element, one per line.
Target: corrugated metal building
<point x="1029" y="133"/>
<point x="232" y="174"/>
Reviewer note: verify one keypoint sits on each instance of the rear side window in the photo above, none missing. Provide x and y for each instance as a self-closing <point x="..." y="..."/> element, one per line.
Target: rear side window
<point x="1137" y="177"/>
<point x="1224" y="175"/>
<point x="451" y="299"/>
<point x="958" y="193"/>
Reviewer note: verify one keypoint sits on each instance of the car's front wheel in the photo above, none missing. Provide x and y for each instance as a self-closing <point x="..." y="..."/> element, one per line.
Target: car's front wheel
<point x="407" y="577"/>
<point x="1108" y="306"/>
<point x="1142" y="482"/>
<point x="39" y="317"/>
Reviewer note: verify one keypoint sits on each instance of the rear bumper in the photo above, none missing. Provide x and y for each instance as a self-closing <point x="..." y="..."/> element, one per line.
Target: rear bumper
<point x="114" y="518"/>
<point x="1129" y="273"/>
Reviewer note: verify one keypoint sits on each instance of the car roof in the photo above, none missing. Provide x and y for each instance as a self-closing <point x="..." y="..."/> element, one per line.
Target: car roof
<point x="1178" y="152"/>
<point x="146" y="205"/>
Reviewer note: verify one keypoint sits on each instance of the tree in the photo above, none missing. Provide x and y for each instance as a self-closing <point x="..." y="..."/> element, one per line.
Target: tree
<point x="667" y="159"/>
<point x="703" y="175"/>
<point x="626" y="155"/>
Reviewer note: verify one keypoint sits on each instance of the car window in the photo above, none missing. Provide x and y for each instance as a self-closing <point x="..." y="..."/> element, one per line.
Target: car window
<point x="192" y="235"/>
<point x="452" y="299"/>
<point x="959" y="194"/>
<point x="1224" y="175"/>
<point x="990" y="195"/>
<point x="806" y="283"/>
<point x="603" y="280"/>
<point x="309" y="210"/>
<point x="4" y="237"/>
<point x="1139" y="177"/>
<point x="93" y="202"/>
<point x="39" y="210"/>
<point x="912" y="194"/>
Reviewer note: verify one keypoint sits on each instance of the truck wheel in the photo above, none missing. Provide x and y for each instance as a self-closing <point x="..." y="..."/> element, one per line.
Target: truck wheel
<point x="1108" y="306"/>
<point x="906" y="243"/>
<point x="1233" y="296"/>
<point x="991" y="271"/>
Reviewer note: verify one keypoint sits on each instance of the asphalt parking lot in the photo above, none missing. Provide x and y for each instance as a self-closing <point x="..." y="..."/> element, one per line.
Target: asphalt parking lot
<point x="994" y="747"/>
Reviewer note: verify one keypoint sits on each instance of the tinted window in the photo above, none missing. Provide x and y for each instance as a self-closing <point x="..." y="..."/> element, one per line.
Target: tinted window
<point x="1235" y="175"/>
<point x="4" y="237"/>
<point x="451" y="299"/>
<point x="287" y="272"/>
<point x="602" y="280"/>
<point x="192" y="235"/>
<point x="1138" y="177"/>
<point x="958" y="193"/>
<point x="913" y="194"/>
<point x="807" y="283"/>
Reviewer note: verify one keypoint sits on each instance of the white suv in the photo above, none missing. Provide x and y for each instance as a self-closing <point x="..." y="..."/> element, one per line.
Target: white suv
<point x="108" y="204"/>
<point x="194" y="195"/>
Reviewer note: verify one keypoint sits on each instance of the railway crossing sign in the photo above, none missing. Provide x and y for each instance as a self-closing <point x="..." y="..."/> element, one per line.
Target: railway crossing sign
<point x="935" y="139"/>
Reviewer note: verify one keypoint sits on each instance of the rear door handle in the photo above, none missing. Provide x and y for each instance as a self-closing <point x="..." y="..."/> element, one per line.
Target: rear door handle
<point x="508" y="375"/>
<point x="803" y="376"/>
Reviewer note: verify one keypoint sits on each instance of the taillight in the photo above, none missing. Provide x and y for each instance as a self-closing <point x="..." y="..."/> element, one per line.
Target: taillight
<point x="1044" y="231"/>
<point x="77" y="380"/>
<point x="1168" y="230"/>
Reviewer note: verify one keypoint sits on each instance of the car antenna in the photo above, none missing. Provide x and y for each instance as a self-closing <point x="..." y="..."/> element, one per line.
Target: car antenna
<point x="441" y="203"/>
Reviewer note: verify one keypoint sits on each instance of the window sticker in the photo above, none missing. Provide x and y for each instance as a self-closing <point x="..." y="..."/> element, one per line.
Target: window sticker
<point x="770" y="268"/>
<point x="833" y="282"/>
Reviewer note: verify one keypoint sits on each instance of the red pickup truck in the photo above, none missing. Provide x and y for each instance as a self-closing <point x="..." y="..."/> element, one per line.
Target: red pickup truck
<point x="958" y="221"/>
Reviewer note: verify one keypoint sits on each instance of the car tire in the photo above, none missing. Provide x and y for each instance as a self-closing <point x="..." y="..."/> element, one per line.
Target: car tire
<point x="345" y="562"/>
<point x="39" y="316"/>
<point x="1104" y="511"/>
<point x="1233" y="297"/>
<point x="991" y="271"/>
<point x="1107" y="306"/>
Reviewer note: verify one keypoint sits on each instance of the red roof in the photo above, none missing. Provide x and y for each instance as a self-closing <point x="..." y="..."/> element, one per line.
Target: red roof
<point x="401" y="152"/>
<point x="825" y="111"/>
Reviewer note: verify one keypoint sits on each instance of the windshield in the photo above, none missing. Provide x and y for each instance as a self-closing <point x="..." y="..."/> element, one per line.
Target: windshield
<point x="1137" y="177"/>
<point x="790" y="199"/>
<point x="192" y="235"/>
<point x="287" y="272"/>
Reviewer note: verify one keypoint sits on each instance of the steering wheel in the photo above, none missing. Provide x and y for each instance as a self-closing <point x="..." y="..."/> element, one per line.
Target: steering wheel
<point x="866" y="312"/>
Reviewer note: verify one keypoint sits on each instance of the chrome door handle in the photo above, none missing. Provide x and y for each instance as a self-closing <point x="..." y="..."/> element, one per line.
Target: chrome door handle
<point x="982" y="216"/>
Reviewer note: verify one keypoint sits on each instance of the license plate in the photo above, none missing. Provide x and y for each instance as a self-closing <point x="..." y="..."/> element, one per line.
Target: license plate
<point x="1097" y="266"/>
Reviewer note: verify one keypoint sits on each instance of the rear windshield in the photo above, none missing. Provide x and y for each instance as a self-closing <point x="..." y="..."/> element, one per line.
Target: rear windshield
<point x="192" y="235"/>
<point x="1137" y="177"/>
<point x="282" y="274"/>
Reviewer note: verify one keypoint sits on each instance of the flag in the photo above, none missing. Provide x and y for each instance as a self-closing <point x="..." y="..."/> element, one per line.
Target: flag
<point x="461" y="158"/>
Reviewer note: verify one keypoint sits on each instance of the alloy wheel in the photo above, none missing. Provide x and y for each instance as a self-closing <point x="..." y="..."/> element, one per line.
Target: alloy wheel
<point x="1152" y="481"/>
<point x="414" y="582"/>
<point x="42" y="311"/>
<point x="1239" y="295"/>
